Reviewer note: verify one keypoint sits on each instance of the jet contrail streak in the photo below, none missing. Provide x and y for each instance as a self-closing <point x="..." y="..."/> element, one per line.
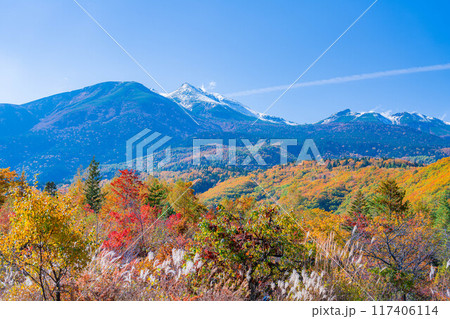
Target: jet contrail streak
<point x="344" y="79"/>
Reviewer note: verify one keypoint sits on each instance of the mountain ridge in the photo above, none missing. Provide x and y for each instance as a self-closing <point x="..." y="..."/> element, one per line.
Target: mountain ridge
<point x="415" y="120"/>
<point x="53" y="136"/>
<point x="201" y="102"/>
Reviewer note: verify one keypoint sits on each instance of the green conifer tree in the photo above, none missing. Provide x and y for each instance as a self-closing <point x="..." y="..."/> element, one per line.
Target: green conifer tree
<point x="156" y="195"/>
<point x="358" y="205"/>
<point x="365" y="162"/>
<point x="389" y="201"/>
<point x="93" y="191"/>
<point x="51" y="189"/>
<point x="442" y="214"/>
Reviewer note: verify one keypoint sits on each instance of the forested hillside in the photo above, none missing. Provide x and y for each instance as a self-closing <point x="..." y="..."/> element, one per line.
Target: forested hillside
<point x="310" y="232"/>
<point x="331" y="186"/>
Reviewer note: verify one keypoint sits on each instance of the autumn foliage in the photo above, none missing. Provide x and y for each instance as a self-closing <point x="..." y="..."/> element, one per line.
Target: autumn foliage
<point x="353" y="229"/>
<point x="129" y="218"/>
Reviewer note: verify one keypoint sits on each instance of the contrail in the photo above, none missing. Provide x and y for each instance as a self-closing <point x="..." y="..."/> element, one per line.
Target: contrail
<point x="315" y="61"/>
<point x="129" y="55"/>
<point x="344" y="79"/>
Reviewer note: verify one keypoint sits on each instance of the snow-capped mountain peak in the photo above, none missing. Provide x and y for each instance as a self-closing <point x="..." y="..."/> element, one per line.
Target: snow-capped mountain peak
<point x="188" y="96"/>
<point x="199" y="101"/>
<point x="414" y="120"/>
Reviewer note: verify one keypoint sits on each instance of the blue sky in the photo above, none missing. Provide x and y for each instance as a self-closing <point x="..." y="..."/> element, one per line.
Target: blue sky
<point x="51" y="46"/>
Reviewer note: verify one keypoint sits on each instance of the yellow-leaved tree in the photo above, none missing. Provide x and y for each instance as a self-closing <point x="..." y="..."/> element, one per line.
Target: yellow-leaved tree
<point x="45" y="240"/>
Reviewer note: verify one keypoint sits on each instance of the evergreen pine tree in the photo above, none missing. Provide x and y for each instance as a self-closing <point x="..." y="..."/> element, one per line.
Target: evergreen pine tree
<point x="156" y="195"/>
<point x="357" y="212"/>
<point x="365" y="162"/>
<point x="93" y="192"/>
<point x="389" y="201"/>
<point x="51" y="189"/>
<point x="442" y="215"/>
<point x="359" y="205"/>
<point x="442" y="220"/>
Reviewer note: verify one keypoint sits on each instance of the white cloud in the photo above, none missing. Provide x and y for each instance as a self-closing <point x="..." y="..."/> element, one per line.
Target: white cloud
<point x="344" y="79"/>
<point x="212" y="85"/>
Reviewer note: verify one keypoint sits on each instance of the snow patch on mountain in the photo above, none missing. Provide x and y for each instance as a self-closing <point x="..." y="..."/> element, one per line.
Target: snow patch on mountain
<point x="193" y="99"/>
<point x="347" y="116"/>
<point x="414" y="120"/>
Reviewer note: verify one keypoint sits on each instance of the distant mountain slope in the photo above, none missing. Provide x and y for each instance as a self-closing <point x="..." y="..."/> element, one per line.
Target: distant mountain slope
<point x="53" y="136"/>
<point x="108" y="102"/>
<point x="15" y="119"/>
<point x="64" y="131"/>
<point x="414" y="120"/>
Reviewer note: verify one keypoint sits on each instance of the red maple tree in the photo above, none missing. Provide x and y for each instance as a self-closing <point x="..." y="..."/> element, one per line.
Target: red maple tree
<point x="131" y="218"/>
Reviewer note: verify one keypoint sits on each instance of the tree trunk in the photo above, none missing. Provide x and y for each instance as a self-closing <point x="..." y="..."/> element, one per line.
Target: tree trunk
<point x="253" y="290"/>
<point x="58" y="291"/>
<point x="253" y="286"/>
<point x="96" y="228"/>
